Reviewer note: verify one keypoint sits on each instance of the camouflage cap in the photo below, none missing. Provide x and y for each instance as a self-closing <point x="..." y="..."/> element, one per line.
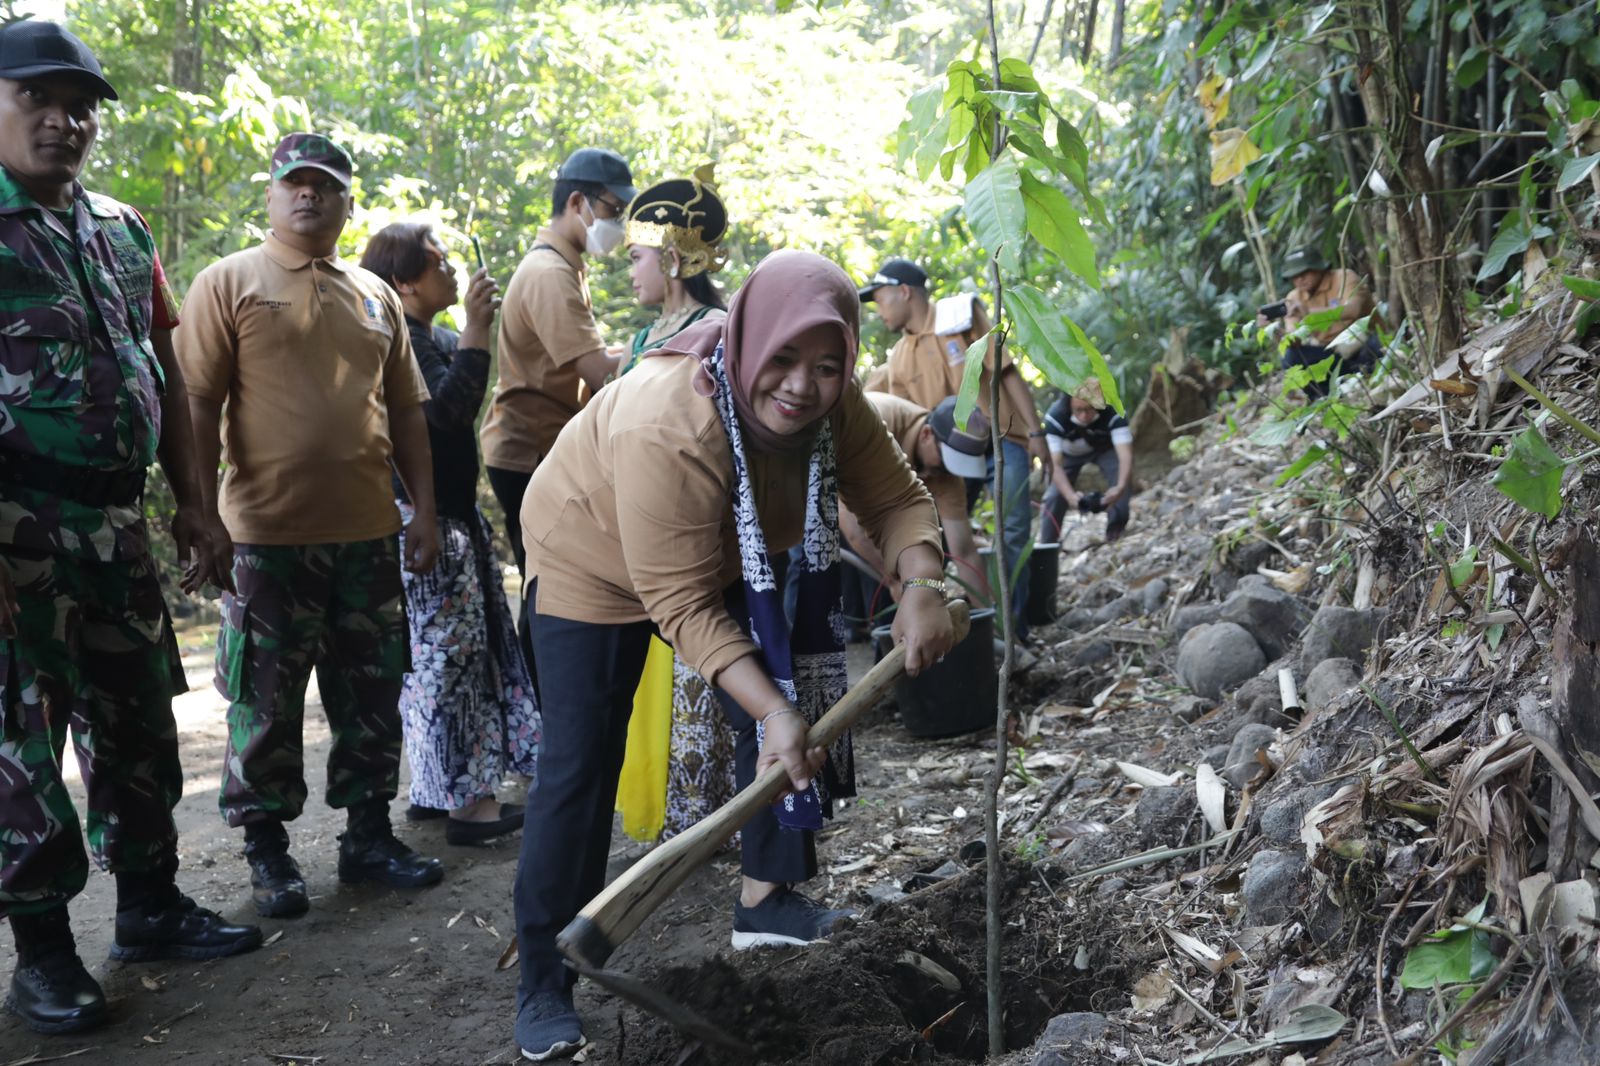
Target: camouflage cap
<point x="312" y="150"/>
<point x="1301" y="260"/>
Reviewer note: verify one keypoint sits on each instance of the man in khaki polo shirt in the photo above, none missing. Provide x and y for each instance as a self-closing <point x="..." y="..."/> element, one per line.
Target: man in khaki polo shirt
<point x="926" y="365"/>
<point x="941" y="455"/>
<point x="551" y="355"/>
<point x="312" y="358"/>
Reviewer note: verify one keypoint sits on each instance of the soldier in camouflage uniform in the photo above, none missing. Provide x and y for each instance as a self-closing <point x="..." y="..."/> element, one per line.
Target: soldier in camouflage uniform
<point x="313" y="359"/>
<point x="87" y="378"/>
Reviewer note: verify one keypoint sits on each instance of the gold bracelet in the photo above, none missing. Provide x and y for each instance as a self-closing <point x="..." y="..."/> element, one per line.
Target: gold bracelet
<point x="934" y="583"/>
<point x="781" y="710"/>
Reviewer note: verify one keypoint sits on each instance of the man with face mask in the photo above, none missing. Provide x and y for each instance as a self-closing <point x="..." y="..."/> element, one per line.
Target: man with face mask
<point x="551" y="354"/>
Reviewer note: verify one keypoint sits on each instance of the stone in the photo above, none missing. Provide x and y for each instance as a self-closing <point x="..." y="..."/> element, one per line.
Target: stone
<point x="1162" y="813"/>
<point x="1241" y="765"/>
<point x="1217" y="756"/>
<point x="1092" y="653"/>
<point x="1111" y="887"/>
<point x="1254" y="581"/>
<point x="1274" y="887"/>
<point x="1281" y="818"/>
<point x="1074" y="619"/>
<point x="1195" y="614"/>
<point x="885" y="893"/>
<point x="1223" y="582"/>
<point x="1099" y="592"/>
<point x="1151" y="596"/>
<point x="1067" y="1034"/>
<point x="1118" y="609"/>
<point x="1188" y="708"/>
<point x="1215" y="658"/>
<point x="1251" y="556"/>
<point x="1271" y="615"/>
<point x="1338" y="633"/>
<point x="1330" y="679"/>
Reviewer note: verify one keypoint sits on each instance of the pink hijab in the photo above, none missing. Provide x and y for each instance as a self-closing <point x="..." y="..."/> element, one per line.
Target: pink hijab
<point x="786" y="294"/>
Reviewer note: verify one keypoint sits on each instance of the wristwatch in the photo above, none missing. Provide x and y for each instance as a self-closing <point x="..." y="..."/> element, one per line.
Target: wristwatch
<point x="937" y="584"/>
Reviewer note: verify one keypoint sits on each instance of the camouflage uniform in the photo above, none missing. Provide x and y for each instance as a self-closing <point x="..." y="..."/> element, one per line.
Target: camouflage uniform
<point x="339" y="607"/>
<point x="80" y="416"/>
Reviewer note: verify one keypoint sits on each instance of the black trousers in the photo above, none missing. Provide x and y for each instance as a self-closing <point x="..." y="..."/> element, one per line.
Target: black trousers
<point x="586" y="685"/>
<point x="509" y="487"/>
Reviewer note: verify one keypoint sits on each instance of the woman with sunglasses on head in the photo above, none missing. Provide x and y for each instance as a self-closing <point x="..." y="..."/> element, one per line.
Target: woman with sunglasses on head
<point x="658" y="512"/>
<point x="468" y="706"/>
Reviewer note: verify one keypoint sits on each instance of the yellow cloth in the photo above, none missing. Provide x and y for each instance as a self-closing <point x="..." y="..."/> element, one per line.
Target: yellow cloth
<point x="642" y="789"/>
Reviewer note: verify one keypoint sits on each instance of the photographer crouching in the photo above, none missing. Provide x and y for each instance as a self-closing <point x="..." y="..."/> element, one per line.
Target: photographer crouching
<point x="1317" y="287"/>
<point x="1082" y="429"/>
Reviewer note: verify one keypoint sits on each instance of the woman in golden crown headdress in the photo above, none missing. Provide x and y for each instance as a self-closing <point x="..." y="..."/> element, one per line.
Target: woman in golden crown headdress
<point x="680" y="763"/>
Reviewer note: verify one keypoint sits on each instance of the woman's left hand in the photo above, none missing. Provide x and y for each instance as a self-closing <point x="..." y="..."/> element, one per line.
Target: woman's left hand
<point x="922" y="624"/>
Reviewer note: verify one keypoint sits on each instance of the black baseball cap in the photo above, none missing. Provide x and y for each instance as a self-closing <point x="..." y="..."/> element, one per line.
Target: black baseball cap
<point x="964" y="451"/>
<point x="603" y="167"/>
<point x="894" y="272"/>
<point x="29" y="48"/>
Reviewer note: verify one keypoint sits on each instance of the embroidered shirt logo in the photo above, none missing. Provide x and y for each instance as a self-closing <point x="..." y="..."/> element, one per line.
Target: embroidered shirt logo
<point x="272" y="305"/>
<point x="954" y="352"/>
<point x="374" y="310"/>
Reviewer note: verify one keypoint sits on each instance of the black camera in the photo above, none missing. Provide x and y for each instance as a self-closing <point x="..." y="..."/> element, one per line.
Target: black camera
<point x="1091" y="502"/>
<point x="1273" y="312"/>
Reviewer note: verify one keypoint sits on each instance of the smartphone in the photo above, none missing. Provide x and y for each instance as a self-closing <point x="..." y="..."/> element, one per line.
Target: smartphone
<point x="477" y="251"/>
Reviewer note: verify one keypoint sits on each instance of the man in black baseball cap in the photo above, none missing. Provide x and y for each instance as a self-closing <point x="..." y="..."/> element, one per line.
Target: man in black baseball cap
<point x="31" y="49"/>
<point x="894" y="273"/>
<point x="600" y="166"/>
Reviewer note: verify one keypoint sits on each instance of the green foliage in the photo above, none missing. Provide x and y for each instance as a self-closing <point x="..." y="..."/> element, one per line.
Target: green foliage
<point x="1455" y="956"/>
<point x="1531" y="474"/>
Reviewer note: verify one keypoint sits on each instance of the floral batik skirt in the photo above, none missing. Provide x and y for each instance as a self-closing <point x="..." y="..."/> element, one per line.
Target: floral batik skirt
<point x="469" y="708"/>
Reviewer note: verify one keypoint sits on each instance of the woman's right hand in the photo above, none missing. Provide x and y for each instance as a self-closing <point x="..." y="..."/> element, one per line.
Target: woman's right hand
<point x="483" y="299"/>
<point x="783" y="741"/>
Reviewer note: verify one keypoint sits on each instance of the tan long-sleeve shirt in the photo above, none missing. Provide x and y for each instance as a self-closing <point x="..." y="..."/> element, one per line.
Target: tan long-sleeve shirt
<point x="630" y="516"/>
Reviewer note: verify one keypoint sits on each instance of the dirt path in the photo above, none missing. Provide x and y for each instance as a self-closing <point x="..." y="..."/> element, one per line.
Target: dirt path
<point x="373" y="975"/>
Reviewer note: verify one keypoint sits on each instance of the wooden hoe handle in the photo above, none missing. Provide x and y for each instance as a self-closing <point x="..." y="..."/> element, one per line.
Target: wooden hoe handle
<point x="612" y="916"/>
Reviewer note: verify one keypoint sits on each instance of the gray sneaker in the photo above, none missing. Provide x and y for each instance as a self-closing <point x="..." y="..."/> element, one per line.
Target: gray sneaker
<point x="785" y="917"/>
<point x="548" y="1026"/>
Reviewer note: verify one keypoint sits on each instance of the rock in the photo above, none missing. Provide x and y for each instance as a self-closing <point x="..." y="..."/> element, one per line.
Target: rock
<point x="1075" y="619"/>
<point x="1098" y="593"/>
<point x="1162" y="814"/>
<point x="1223" y="582"/>
<point x="1217" y="756"/>
<point x="885" y="893"/>
<point x="1330" y="679"/>
<point x="1280" y="820"/>
<point x="1271" y="615"/>
<point x="1249" y="557"/>
<point x="1067" y="1034"/>
<point x="1214" y="658"/>
<point x="1188" y="708"/>
<point x="1092" y="653"/>
<point x="1338" y="632"/>
<point x="1111" y="887"/>
<point x="1152" y="594"/>
<point x="1254" y="581"/>
<point x="1195" y="614"/>
<point x="1274" y="887"/>
<point x="1241" y="765"/>
<point x="1118" y="609"/>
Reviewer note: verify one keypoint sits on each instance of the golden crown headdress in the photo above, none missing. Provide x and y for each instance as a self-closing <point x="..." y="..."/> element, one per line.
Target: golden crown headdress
<point x="685" y="215"/>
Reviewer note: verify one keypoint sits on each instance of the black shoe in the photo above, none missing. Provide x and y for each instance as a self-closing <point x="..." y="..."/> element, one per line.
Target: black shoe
<point x="183" y="930"/>
<point x="277" y="888"/>
<point x="379" y="856"/>
<point x="53" y="993"/>
<point x="417" y="813"/>
<point x="461" y="831"/>
<point x="785" y="917"/>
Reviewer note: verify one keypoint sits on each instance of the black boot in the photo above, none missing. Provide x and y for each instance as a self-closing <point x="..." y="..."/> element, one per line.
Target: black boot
<point x="277" y="887"/>
<point x="50" y="990"/>
<point x="156" y="921"/>
<point x="369" y="851"/>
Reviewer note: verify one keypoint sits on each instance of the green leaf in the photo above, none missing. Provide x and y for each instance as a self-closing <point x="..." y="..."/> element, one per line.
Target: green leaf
<point x="971" y="374"/>
<point x="1473" y="66"/>
<point x="1461" y="570"/>
<point x="995" y="210"/>
<point x="1493" y="635"/>
<point x="1273" y="433"/>
<point x="1102" y="369"/>
<point x="1339" y="417"/>
<point x="1221" y="29"/>
<point x="1017" y="75"/>
<point x="1312" y="456"/>
<point x="1452" y="957"/>
<point x="1011" y="104"/>
<point x="1583" y="288"/>
<point x="1069" y="142"/>
<point x="922" y="112"/>
<point x="1054" y="224"/>
<point x="1298" y="377"/>
<point x="927" y="153"/>
<point x="1513" y="239"/>
<point x="1531" y="474"/>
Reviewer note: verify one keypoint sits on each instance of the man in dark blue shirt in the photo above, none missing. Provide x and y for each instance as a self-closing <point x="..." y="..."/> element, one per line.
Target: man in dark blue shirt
<point x="1083" y="428"/>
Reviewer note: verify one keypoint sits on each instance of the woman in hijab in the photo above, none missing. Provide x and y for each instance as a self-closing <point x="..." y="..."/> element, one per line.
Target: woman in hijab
<point x="658" y="510"/>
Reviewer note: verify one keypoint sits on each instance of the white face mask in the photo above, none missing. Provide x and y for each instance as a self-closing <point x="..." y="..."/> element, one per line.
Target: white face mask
<point x="602" y="235"/>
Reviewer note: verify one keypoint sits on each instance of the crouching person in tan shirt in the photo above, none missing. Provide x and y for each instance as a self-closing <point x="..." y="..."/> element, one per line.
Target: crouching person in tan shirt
<point x="305" y="362"/>
<point x="657" y="512"/>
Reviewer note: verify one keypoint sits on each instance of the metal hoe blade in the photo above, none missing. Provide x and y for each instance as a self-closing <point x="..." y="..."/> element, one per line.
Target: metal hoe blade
<point x="647" y="997"/>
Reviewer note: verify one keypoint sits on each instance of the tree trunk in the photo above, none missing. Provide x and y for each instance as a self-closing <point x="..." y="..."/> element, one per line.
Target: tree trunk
<point x="1417" y="223"/>
<point x="1118" y="18"/>
<point x="1038" y="37"/>
<point x="1088" y="30"/>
